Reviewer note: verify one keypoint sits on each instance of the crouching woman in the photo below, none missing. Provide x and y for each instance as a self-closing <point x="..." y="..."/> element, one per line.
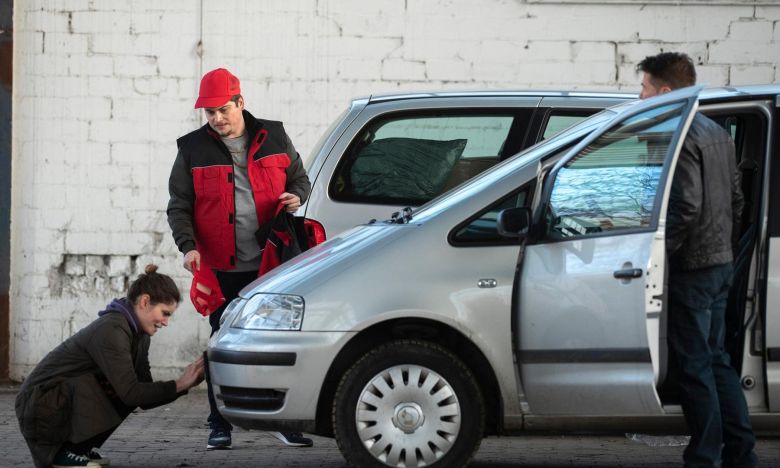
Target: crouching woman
<point x="82" y="390"/>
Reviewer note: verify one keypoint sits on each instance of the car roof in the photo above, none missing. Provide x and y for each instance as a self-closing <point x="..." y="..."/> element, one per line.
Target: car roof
<point x="714" y="93"/>
<point x="498" y="93"/>
<point x="725" y="92"/>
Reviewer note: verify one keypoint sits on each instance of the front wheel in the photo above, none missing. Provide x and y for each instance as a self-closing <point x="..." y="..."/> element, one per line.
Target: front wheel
<point x="408" y="404"/>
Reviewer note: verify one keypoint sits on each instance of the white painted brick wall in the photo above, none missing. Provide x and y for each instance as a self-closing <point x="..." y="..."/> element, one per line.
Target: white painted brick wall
<point x="103" y="89"/>
<point x="449" y="70"/>
<point x="755" y="74"/>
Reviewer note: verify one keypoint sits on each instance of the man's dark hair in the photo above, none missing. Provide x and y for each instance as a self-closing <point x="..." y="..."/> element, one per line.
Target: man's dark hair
<point x="235" y="98"/>
<point x="672" y="69"/>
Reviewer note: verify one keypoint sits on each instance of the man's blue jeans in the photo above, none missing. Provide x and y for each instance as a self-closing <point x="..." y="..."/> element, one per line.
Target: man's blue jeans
<point x="712" y="398"/>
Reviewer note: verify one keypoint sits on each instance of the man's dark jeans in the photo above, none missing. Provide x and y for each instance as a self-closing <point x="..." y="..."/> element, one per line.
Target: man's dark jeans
<point x="231" y="283"/>
<point x="712" y="398"/>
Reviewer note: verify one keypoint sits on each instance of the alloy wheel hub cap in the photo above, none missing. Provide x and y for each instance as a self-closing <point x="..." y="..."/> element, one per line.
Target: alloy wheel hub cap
<point x="408" y="417"/>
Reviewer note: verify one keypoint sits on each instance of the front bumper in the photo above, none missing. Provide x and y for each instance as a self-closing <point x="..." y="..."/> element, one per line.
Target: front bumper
<point x="271" y="379"/>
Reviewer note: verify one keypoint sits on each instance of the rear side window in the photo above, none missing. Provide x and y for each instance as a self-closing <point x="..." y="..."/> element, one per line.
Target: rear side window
<point x="408" y="160"/>
<point x="557" y="123"/>
<point x="560" y="119"/>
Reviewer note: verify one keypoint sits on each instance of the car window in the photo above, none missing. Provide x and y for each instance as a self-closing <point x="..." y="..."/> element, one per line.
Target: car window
<point x="731" y="127"/>
<point x="611" y="184"/>
<point x="484" y="135"/>
<point x="543" y="150"/>
<point x="410" y="159"/>
<point x="481" y="229"/>
<point x="557" y="123"/>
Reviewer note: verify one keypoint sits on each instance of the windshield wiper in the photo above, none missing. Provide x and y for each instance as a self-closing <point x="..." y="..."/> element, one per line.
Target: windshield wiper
<point x="402" y="217"/>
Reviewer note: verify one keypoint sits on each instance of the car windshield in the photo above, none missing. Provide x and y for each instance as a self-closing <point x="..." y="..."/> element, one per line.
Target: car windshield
<point x="506" y="167"/>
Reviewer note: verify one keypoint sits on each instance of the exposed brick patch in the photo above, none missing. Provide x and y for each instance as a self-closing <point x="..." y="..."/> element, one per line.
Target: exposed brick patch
<point x="92" y="275"/>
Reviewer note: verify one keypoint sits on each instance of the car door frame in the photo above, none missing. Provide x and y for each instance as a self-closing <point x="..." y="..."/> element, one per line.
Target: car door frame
<point x="771" y="270"/>
<point x="552" y="106"/>
<point x="648" y="402"/>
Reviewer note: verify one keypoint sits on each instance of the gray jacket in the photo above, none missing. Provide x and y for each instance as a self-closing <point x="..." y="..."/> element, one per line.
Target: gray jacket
<point x="705" y="203"/>
<point x="62" y="400"/>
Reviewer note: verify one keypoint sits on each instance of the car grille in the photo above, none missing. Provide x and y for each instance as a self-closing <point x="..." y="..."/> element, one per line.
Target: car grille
<point x="259" y="399"/>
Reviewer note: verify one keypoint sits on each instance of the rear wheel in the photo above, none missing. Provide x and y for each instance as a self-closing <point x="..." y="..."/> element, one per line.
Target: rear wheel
<point x="408" y="404"/>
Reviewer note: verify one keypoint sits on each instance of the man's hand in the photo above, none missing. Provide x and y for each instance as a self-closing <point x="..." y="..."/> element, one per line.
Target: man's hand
<point x="192" y="258"/>
<point x="290" y="201"/>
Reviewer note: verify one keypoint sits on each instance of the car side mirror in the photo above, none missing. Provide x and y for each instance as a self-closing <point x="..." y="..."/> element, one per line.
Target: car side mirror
<point x="514" y="222"/>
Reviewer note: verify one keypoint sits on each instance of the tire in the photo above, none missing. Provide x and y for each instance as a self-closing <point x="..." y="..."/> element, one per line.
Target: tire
<point x="408" y="403"/>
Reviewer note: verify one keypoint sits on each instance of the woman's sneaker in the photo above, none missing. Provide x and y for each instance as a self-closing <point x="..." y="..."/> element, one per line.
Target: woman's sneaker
<point x="98" y="458"/>
<point x="293" y="439"/>
<point x="68" y="459"/>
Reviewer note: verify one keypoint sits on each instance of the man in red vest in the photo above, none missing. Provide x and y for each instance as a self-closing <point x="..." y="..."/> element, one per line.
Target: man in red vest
<point x="228" y="179"/>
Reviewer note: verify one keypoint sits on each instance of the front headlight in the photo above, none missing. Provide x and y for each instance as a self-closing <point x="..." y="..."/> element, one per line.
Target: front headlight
<point x="271" y="312"/>
<point x="226" y="315"/>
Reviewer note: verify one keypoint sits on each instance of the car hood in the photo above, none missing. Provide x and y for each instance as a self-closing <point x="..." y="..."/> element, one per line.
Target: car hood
<point x="318" y="264"/>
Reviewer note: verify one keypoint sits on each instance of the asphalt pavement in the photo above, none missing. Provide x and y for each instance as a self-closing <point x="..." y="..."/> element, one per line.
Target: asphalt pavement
<point x="175" y="436"/>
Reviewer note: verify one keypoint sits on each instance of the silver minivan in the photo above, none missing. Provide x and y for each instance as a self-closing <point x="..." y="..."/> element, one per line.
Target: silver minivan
<point x="529" y="298"/>
<point x="389" y="151"/>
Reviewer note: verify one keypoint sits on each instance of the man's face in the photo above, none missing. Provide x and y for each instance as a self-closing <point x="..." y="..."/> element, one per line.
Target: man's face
<point x="227" y="120"/>
<point x="649" y="87"/>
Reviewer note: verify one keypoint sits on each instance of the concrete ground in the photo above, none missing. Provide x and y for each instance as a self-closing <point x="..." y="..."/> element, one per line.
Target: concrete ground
<point x="175" y="436"/>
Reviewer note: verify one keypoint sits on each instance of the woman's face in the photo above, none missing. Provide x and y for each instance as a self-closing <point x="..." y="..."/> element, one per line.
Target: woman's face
<point x="151" y="316"/>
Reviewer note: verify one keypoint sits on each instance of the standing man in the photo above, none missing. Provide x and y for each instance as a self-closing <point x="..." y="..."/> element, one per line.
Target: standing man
<point x="701" y="225"/>
<point x="228" y="179"/>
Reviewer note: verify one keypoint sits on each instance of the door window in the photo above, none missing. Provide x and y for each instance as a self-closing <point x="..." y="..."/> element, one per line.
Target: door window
<point x="612" y="184"/>
<point x="408" y="160"/>
<point x="482" y="230"/>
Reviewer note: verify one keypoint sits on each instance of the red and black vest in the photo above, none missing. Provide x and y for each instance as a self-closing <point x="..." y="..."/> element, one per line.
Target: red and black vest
<point x="212" y="177"/>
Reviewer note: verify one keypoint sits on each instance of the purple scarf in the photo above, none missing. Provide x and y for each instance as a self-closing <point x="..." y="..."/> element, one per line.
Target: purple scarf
<point x="124" y="307"/>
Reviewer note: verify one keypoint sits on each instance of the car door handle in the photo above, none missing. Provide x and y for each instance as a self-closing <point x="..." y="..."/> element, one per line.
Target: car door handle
<point x="628" y="273"/>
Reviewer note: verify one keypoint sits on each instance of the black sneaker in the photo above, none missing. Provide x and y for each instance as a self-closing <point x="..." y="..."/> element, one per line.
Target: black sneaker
<point x="98" y="458"/>
<point x="68" y="459"/>
<point x="293" y="439"/>
<point x="219" y="439"/>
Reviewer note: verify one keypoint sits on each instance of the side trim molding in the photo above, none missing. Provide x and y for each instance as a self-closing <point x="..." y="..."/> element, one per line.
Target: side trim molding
<point x="584" y="356"/>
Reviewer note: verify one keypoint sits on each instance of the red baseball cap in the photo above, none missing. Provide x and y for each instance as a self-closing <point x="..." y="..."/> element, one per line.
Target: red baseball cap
<point x="216" y="88"/>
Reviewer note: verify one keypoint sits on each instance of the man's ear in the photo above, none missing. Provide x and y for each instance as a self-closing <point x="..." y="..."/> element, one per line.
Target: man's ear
<point x="240" y="102"/>
<point x="664" y="90"/>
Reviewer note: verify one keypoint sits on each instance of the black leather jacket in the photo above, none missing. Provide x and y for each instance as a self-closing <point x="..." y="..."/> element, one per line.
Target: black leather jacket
<point x="705" y="203"/>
